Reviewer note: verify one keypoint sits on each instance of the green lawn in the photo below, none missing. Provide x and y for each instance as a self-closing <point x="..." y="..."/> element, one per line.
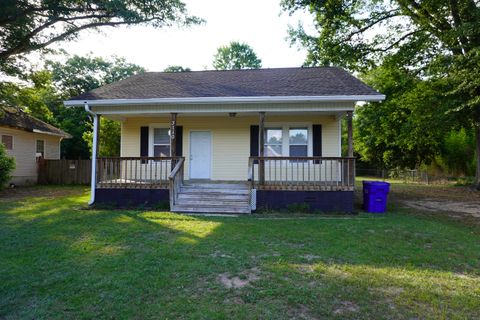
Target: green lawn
<point x="58" y="260"/>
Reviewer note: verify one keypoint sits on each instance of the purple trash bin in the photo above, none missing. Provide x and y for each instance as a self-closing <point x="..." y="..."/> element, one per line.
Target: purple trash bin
<point x="375" y="196"/>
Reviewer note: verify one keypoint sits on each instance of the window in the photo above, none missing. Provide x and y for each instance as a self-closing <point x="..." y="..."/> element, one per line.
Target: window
<point x="7" y="142"/>
<point x="40" y="149"/>
<point x="273" y="142"/>
<point x="298" y="142"/>
<point x="161" y="142"/>
<point x="288" y="141"/>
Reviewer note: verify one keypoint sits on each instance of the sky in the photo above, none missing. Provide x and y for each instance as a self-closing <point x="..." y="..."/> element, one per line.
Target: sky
<point x="259" y="23"/>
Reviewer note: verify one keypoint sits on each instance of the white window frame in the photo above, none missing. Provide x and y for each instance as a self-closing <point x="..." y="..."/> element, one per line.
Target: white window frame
<point x="151" y="144"/>
<point x="13" y="141"/>
<point x="36" y="141"/>
<point x="286" y="135"/>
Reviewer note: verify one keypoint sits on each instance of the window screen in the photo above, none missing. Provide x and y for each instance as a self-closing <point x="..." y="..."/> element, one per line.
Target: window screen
<point x="7" y="142"/>
<point x="298" y="142"/>
<point x="40" y="147"/>
<point x="161" y="142"/>
<point x="273" y="142"/>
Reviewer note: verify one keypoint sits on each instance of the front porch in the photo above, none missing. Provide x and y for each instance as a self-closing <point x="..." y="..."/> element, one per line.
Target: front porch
<point x="270" y="160"/>
<point x="324" y="183"/>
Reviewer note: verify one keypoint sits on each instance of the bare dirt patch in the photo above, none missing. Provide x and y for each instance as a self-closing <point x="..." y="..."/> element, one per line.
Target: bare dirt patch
<point x="471" y="208"/>
<point x="346" y="307"/>
<point x="51" y="192"/>
<point x="300" y="312"/>
<point x="243" y="279"/>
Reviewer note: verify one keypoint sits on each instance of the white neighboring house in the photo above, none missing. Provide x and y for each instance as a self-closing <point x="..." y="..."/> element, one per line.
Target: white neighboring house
<point x="26" y="139"/>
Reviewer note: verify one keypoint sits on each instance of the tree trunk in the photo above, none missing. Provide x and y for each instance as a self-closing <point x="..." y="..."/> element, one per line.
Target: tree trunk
<point x="477" y="142"/>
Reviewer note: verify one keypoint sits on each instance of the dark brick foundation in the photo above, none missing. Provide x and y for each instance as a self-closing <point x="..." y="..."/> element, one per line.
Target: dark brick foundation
<point x="132" y="197"/>
<point x="325" y="201"/>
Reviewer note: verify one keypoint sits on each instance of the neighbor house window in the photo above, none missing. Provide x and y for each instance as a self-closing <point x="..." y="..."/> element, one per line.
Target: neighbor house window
<point x="298" y="142"/>
<point x="40" y="149"/>
<point x="7" y="141"/>
<point x="287" y="141"/>
<point x="161" y="142"/>
<point x="273" y="142"/>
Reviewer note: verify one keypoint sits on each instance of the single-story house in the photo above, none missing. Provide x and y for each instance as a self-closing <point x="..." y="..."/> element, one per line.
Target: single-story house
<point x="27" y="139"/>
<point x="229" y="141"/>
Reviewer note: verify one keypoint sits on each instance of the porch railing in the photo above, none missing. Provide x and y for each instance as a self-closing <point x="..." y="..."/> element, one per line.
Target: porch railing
<point x="176" y="181"/>
<point x="302" y="173"/>
<point x="135" y="172"/>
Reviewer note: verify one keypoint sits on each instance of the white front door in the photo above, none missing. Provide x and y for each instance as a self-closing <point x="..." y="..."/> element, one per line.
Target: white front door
<point x="200" y="154"/>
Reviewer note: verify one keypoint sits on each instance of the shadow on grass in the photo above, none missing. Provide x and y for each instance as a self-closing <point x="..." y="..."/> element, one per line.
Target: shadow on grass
<point x="58" y="259"/>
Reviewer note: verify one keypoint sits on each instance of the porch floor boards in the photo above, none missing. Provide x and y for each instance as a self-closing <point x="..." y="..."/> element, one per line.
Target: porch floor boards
<point x="213" y="198"/>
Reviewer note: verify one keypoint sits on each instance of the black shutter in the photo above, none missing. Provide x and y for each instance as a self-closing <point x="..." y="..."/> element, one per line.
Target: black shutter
<point x="143" y="142"/>
<point x="254" y="140"/>
<point x="179" y="141"/>
<point x="317" y="140"/>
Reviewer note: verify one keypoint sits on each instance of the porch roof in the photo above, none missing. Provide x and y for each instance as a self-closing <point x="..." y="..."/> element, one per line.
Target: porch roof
<point x="232" y="86"/>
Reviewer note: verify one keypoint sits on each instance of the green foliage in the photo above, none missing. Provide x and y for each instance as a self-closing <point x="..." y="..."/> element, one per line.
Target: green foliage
<point x="44" y="93"/>
<point x="109" y="138"/>
<point x="434" y="44"/>
<point x="236" y="55"/>
<point x="457" y="152"/>
<point x="403" y="131"/>
<point x="81" y="74"/>
<point x="37" y="97"/>
<point x="30" y="25"/>
<point x="299" y="208"/>
<point x="7" y="165"/>
<point x="176" y="69"/>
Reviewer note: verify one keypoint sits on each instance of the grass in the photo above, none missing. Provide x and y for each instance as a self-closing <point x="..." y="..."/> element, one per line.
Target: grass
<point x="58" y="260"/>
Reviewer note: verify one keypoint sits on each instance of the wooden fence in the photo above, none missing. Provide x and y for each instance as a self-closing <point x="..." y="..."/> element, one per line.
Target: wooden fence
<point x="64" y="171"/>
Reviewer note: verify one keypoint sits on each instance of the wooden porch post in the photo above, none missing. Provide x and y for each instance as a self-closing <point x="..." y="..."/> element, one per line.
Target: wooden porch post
<point x="173" y="138"/>
<point x="350" y="133"/>
<point x="261" y="136"/>
<point x="173" y="134"/>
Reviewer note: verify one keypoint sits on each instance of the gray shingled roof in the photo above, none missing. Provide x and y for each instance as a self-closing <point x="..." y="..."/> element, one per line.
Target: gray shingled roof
<point x="15" y="118"/>
<point x="325" y="81"/>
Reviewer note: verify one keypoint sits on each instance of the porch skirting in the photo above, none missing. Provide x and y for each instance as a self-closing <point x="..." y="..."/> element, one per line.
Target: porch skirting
<point x="325" y="201"/>
<point x="132" y="197"/>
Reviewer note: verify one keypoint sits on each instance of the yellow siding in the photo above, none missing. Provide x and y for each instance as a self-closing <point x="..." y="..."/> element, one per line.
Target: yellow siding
<point x="24" y="147"/>
<point x="230" y="138"/>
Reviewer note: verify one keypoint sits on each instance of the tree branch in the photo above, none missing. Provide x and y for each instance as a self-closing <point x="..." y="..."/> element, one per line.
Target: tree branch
<point x="390" y="14"/>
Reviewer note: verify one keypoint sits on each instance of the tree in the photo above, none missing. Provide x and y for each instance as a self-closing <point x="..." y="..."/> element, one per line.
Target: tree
<point x="404" y="130"/>
<point x="7" y="165"/>
<point x="43" y="95"/>
<point x="81" y="74"/>
<point x="28" y="25"/>
<point x="435" y="40"/>
<point x="236" y="55"/>
<point x="176" y="69"/>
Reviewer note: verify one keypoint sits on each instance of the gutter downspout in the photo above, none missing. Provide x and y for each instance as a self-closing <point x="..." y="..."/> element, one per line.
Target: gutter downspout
<point x="94" y="154"/>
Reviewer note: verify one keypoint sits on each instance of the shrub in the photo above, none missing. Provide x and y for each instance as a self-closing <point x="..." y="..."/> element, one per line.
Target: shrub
<point x="299" y="208"/>
<point x="7" y="164"/>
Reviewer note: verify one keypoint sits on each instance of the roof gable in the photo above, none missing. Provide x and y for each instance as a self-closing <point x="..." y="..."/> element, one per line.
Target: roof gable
<point x="16" y="118"/>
